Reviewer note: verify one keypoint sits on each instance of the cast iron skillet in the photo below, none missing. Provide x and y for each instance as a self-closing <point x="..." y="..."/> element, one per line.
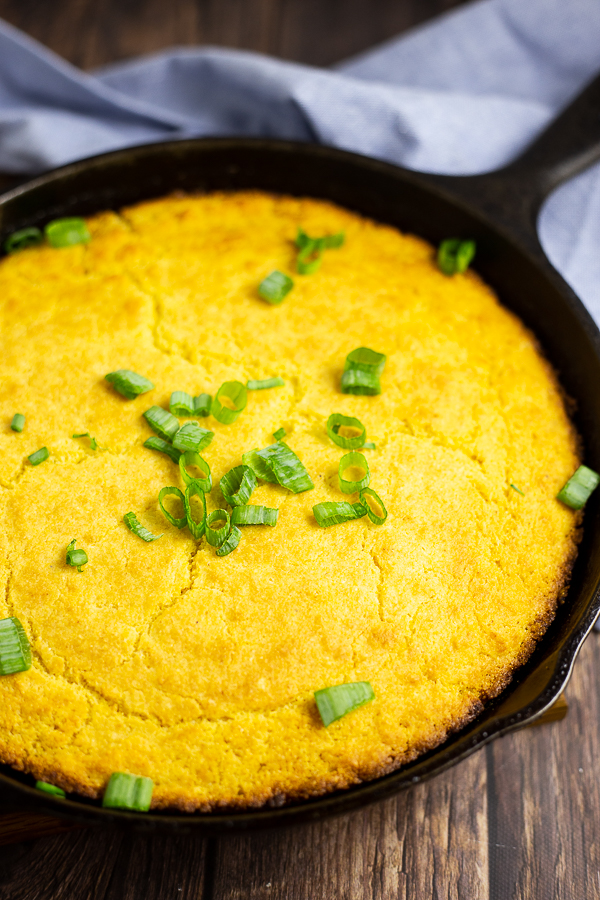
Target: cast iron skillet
<point x="499" y="210"/>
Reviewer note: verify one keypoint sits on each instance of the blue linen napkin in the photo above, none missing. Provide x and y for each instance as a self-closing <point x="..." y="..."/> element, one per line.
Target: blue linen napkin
<point x="461" y="95"/>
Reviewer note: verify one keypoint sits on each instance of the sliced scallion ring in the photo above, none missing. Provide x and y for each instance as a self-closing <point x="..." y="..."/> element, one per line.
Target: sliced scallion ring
<point x="196" y="526"/>
<point x="39" y="456"/>
<point x="50" y="789"/>
<point x="368" y="445"/>
<point x="337" y="701"/>
<point x="18" y="422"/>
<point x="191" y="437"/>
<point x="217" y="536"/>
<point x="181" y="404"/>
<point x="156" y="443"/>
<point x="202" y="405"/>
<point x="67" y="232"/>
<point x="76" y="558"/>
<point x="125" y="791"/>
<point x="237" y="485"/>
<point x="230" y="400"/>
<point x="93" y="441"/>
<point x="15" y="652"/>
<point x="231" y="543"/>
<point x="190" y="458"/>
<point x="356" y="461"/>
<point x="275" y="287"/>
<point x="259" y="466"/>
<point x="311" y="249"/>
<point x="455" y="255"/>
<point x="22" y="239"/>
<point x="129" y="384"/>
<point x="162" y="422"/>
<point x="279" y="434"/>
<point x="362" y="371"/>
<point x="346" y="431"/>
<point x="373" y="503"/>
<point x="578" y="488"/>
<point x="265" y="384"/>
<point x="178" y="522"/>
<point x="134" y="525"/>
<point x="288" y="469"/>
<point x="334" y="512"/>
<point x="254" y="515"/>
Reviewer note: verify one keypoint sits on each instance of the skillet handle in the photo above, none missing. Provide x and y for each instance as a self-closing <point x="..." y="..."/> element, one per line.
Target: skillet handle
<point x="512" y="196"/>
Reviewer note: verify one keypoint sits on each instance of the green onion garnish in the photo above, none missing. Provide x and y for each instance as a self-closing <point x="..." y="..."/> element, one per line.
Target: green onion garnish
<point x="373" y="503"/>
<point x="362" y="371"/>
<point x="191" y="437"/>
<point x="237" y="485"/>
<point x="129" y="383"/>
<point x="275" y="287"/>
<point x="22" y="239"/>
<point x="18" y="422"/>
<point x="66" y="232"/>
<point x="311" y="250"/>
<point x="125" y="791"/>
<point x="283" y="466"/>
<point x="335" y="702"/>
<point x="181" y="404"/>
<point x="254" y="515"/>
<point x="196" y="526"/>
<point x="39" y="456"/>
<point x="156" y="443"/>
<point x="353" y="460"/>
<point x="175" y="492"/>
<point x="131" y="520"/>
<point x="368" y="445"/>
<point x="265" y="384"/>
<point x="202" y="405"/>
<point x="518" y="490"/>
<point x="217" y="536"/>
<point x="455" y="255"/>
<point x="50" y="789"/>
<point x="231" y="543"/>
<point x="190" y="458"/>
<point x="578" y="488"/>
<point x="236" y="396"/>
<point x="162" y="422"/>
<point x="279" y="434"/>
<point x="93" y="441"/>
<point x="15" y="652"/>
<point x="75" y="557"/>
<point x="346" y="431"/>
<point x="334" y="512"/>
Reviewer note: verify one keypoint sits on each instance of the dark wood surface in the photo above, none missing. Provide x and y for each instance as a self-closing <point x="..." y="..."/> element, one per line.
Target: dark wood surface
<point x="520" y="820"/>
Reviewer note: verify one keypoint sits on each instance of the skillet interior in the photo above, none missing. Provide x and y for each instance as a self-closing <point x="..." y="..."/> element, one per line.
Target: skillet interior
<point x="410" y="202"/>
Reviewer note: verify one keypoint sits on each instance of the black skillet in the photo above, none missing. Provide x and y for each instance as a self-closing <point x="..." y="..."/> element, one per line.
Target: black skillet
<point x="499" y="210"/>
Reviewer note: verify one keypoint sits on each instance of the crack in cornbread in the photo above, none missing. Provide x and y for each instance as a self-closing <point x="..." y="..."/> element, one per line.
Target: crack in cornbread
<point x="164" y="660"/>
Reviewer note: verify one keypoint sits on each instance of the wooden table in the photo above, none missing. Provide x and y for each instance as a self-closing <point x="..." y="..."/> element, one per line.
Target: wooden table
<point x="520" y="820"/>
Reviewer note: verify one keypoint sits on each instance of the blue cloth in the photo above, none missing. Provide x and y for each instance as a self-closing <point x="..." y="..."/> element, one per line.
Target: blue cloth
<point x="461" y="95"/>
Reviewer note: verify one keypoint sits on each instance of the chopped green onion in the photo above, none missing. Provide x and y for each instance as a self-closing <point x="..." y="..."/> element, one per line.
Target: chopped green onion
<point x="259" y="466"/>
<point x="175" y="492"/>
<point x="131" y="520"/>
<point x="311" y="250"/>
<point x="578" y="488"/>
<point x="237" y="485"/>
<point x="254" y="515"/>
<point x="156" y="443"/>
<point x="518" y="490"/>
<point x="372" y="502"/>
<point x="162" y="422"/>
<point x="190" y="458"/>
<point x="22" y="239"/>
<point x="217" y="536"/>
<point x="265" y="384"/>
<point x="50" y="789"/>
<point x="350" y="461"/>
<point x="126" y="791"/>
<point x="455" y="255"/>
<point x="335" y="512"/>
<point x="15" y="652"/>
<point x="129" y="383"/>
<point x="181" y="404"/>
<point x="18" y="422"/>
<point x="75" y="557"/>
<point x="196" y="526"/>
<point x="236" y="393"/>
<point x="275" y="287"/>
<point x="39" y="456"/>
<point x="337" y="424"/>
<point x="191" y="437"/>
<point x="279" y="434"/>
<point x="362" y="371"/>
<point x="285" y="466"/>
<point x="335" y="702"/>
<point x="369" y="445"/>
<point x="202" y="405"/>
<point x="93" y="441"/>
<point x="231" y="543"/>
<point x="67" y="232"/>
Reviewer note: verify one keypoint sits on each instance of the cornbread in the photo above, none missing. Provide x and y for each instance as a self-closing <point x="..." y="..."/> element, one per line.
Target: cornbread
<point x="166" y="661"/>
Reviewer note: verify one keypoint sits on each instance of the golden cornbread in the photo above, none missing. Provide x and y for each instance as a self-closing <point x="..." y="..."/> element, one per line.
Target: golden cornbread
<point x="164" y="660"/>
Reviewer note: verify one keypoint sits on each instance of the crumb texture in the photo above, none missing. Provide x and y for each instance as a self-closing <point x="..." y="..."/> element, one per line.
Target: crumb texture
<point x="164" y="660"/>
